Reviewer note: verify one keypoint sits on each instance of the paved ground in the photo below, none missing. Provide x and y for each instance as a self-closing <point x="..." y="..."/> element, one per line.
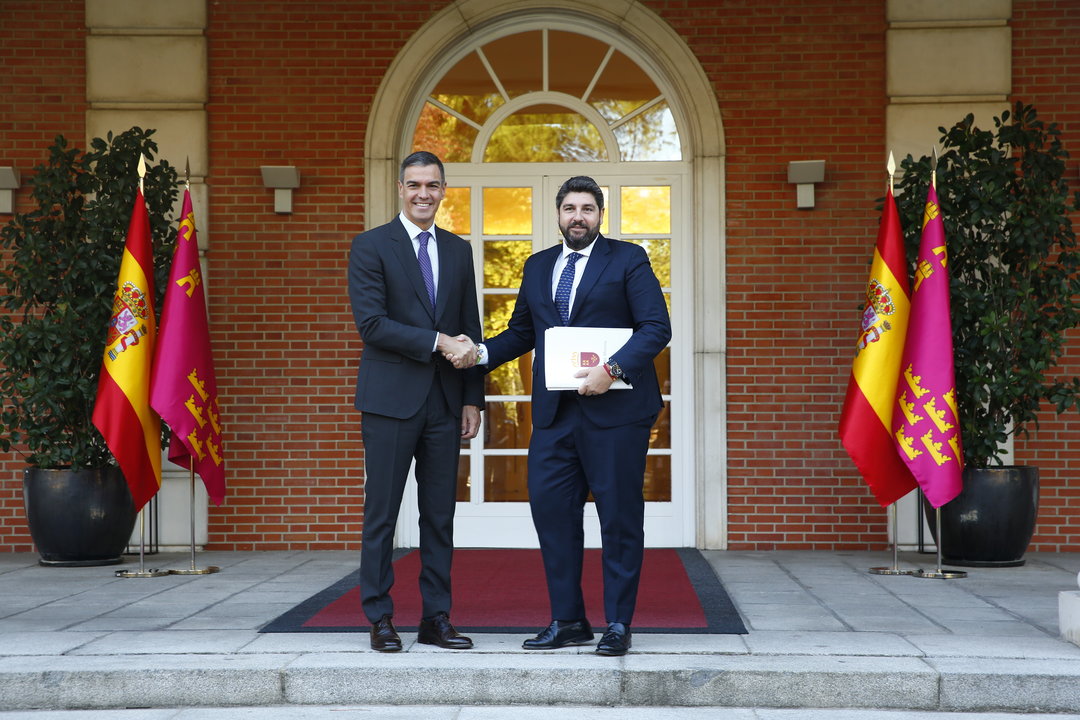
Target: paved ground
<point x="826" y="639"/>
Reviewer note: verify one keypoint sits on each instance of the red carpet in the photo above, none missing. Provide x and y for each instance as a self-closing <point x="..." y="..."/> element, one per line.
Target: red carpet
<point x="504" y="591"/>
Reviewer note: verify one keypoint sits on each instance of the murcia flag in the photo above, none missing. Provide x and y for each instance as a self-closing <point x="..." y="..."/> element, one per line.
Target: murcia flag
<point x="122" y="412"/>
<point x="926" y="424"/>
<point x="866" y="420"/>
<point x="183" y="387"/>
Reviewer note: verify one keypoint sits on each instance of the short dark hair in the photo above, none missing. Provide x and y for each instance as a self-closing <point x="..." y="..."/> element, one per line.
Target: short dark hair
<point x="421" y="158"/>
<point x="580" y="183"/>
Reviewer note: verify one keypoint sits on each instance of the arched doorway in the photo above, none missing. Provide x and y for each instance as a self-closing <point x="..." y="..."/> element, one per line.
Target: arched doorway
<point x="514" y="105"/>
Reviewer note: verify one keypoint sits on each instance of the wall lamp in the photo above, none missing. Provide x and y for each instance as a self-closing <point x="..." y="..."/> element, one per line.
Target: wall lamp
<point x="9" y="183"/>
<point x="804" y="174"/>
<point x="282" y="178"/>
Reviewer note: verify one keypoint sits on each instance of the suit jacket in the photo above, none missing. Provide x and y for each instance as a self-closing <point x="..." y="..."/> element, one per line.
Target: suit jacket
<point x="617" y="289"/>
<point x="394" y="317"/>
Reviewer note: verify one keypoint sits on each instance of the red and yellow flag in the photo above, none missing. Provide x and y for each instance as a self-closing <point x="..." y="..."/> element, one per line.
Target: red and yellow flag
<point x="926" y="423"/>
<point x="122" y="412"/>
<point x="867" y="418"/>
<point x="183" y="387"/>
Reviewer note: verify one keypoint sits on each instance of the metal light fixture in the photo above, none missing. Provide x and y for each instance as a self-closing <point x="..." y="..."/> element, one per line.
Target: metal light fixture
<point x="9" y="183"/>
<point x="804" y="174"/>
<point x="283" y="179"/>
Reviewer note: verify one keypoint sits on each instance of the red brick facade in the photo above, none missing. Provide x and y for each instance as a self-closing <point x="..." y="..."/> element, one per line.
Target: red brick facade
<point x="292" y="83"/>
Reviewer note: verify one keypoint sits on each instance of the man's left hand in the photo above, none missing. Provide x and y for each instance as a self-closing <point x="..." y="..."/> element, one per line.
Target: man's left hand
<point x="597" y="381"/>
<point x="470" y="422"/>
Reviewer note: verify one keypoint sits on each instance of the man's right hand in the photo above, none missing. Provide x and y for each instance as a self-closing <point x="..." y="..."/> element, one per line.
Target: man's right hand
<point x="460" y="350"/>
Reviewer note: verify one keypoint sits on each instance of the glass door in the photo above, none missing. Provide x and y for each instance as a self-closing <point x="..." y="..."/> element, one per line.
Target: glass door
<point x="507" y="219"/>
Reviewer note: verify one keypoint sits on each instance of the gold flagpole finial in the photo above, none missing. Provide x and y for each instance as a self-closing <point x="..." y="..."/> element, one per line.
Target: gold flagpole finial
<point x="187" y="172"/>
<point x="933" y="169"/>
<point x="142" y="171"/>
<point x="891" y="167"/>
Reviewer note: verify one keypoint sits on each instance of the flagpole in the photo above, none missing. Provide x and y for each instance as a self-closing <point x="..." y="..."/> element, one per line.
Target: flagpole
<point x="939" y="574"/>
<point x="194" y="570"/>
<point x="894" y="570"/>
<point x="142" y="572"/>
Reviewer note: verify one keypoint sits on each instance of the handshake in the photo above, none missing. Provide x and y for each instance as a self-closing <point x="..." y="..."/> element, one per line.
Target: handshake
<point x="460" y="350"/>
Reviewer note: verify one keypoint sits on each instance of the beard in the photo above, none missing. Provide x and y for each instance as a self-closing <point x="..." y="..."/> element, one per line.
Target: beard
<point x="583" y="241"/>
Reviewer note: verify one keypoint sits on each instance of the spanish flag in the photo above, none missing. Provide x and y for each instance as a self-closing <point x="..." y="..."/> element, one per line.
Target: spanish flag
<point x="122" y="410"/>
<point x="867" y="418"/>
<point x="183" y="386"/>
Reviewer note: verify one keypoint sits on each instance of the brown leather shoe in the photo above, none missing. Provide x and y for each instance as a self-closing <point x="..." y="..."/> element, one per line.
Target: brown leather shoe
<point x="438" y="631"/>
<point x="384" y="637"/>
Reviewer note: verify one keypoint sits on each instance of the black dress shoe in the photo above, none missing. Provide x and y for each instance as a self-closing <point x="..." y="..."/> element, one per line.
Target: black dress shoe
<point x="616" y="640"/>
<point x="384" y="638"/>
<point x="560" y="634"/>
<point x="439" y="631"/>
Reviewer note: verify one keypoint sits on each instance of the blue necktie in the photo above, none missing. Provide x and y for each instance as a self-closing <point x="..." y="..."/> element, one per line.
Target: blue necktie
<point x="566" y="284"/>
<point x="425" y="266"/>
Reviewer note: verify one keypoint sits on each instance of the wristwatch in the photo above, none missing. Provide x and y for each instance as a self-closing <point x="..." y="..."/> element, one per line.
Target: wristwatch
<point x="613" y="370"/>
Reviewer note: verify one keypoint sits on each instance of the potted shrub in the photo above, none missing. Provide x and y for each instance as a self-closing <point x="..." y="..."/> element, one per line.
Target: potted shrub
<point x="1014" y="286"/>
<point x="61" y="261"/>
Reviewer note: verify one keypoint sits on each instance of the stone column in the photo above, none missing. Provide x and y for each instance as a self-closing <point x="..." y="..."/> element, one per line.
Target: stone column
<point x="146" y="65"/>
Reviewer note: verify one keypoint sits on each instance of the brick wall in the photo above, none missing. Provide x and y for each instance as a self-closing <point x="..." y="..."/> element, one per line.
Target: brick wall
<point x="1046" y="74"/>
<point x="43" y="71"/>
<point x="292" y="84"/>
<point x="795" y="81"/>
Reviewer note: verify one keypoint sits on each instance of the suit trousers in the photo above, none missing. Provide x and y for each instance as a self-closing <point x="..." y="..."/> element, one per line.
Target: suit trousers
<point x="433" y="438"/>
<point x="567" y="460"/>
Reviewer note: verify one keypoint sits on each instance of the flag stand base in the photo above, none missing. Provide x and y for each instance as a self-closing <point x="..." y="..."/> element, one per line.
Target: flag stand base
<point x="940" y="574"/>
<point x="894" y="570"/>
<point x="142" y="572"/>
<point x="209" y="569"/>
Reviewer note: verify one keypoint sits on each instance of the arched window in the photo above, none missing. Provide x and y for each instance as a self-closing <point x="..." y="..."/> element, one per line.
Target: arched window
<point x="513" y="113"/>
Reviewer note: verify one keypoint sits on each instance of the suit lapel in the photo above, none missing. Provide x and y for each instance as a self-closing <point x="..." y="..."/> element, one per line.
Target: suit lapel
<point x="598" y="262"/>
<point x="403" y="249"/>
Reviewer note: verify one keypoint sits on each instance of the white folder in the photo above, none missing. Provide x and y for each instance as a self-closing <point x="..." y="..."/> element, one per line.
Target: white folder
<point x="568" y="350"/>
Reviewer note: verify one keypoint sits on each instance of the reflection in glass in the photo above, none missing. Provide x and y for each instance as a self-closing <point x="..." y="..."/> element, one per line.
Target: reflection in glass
<point x="646" y="209"/>
<point x="443" y="134"/>
<point x="454" y="212"/>
<point x="503" y="261"/>
<point x="658" y="478"/>
<point x="464" y="480"/>
<point x="572" y="61"/>
<point x="508" y="425"/>
<point x="514" y="377"/>
<point x="623" y="87"/>
<point x="468" y="88"/>
<point x="545" y="133"/>
<point x="652" y="135"/>
<point x="662" y="363"/>
<point x="518" y="62"/>
<point x="507" y="211"/>
<point x="660" y="435"/>
<point x="505" y="478"/>
<point x="659" y="251"/>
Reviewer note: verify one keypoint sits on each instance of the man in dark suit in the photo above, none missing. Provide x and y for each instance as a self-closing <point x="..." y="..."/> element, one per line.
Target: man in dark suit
<point x="590" y="439"/>
<point x="413" y="295"/>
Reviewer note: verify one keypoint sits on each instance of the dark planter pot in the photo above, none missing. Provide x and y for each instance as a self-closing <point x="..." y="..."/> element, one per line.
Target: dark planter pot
<point x="990" y="523"/>
<point x="79" y="517"/>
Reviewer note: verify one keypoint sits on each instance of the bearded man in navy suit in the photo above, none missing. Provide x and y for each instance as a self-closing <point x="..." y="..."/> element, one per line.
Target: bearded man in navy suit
<point x="413" y="295"/>
<point x="589" y="439"/>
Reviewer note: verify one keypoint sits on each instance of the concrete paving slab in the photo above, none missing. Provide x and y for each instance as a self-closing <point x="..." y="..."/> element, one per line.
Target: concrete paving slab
<point x="786" y="642"/>
<point x="168" y="642"/>
<point x="989" y="646"/>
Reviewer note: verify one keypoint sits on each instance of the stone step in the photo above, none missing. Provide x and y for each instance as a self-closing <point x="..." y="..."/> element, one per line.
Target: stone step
<point x="470" y="679"/>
